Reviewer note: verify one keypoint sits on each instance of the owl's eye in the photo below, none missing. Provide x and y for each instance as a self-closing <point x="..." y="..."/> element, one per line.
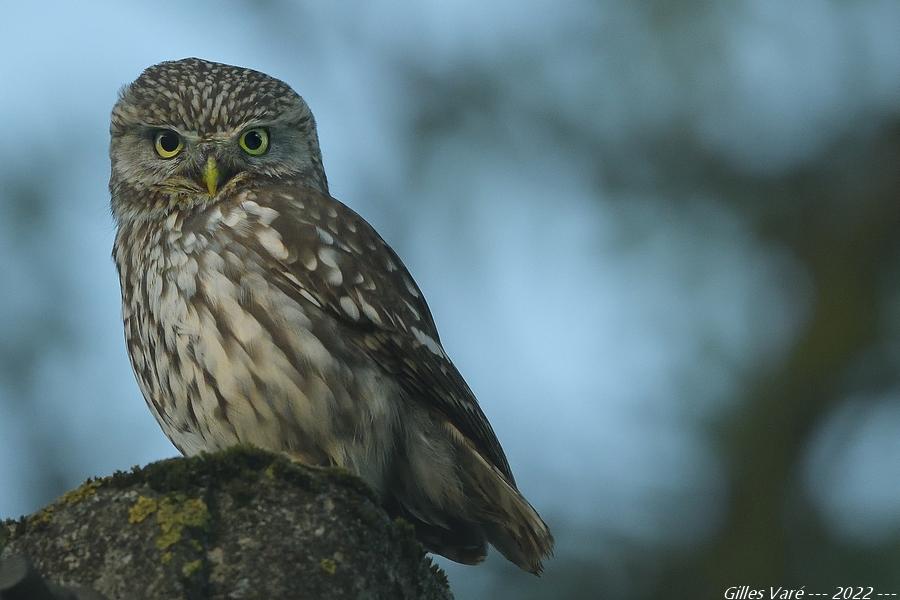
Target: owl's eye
<point x="168" y="143"/>
<point x="254" y="142"/>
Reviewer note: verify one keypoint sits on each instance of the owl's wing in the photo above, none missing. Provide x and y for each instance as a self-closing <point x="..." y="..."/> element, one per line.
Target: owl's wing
<point x="338" y="262"/>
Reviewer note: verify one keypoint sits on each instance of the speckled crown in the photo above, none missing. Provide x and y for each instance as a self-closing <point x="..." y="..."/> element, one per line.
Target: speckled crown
<point x="204" y="97"/>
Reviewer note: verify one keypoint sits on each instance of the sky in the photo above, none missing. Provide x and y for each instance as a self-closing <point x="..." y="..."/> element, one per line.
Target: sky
<point x="579" y="317"/>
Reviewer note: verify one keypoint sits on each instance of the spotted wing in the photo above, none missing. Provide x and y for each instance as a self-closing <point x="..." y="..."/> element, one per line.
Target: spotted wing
<point x="338" y="262"/>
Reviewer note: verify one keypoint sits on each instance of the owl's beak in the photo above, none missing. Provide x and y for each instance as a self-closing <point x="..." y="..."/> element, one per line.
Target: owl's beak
<point x="211" y="176"/>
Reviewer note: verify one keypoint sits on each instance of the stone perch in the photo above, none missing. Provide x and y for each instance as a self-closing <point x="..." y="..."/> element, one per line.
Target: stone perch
<point x="237" y="524"/>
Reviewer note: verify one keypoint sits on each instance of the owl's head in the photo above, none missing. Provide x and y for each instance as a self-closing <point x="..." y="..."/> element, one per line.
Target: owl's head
<point x="186" y="133"/>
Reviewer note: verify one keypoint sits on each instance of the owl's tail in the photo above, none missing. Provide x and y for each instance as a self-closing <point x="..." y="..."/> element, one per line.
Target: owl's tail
<point x="507" y="519"/>
<point x="458" y="501"/>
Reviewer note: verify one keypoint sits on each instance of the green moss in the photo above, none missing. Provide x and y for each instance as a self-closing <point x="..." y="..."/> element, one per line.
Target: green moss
<point x="192" y="567"/>
<point x="328" y="565"/>
<point x="405" y="534"/>
<point x="170" y="475"/>
<point x="143" y="508"/>
<point x="85" y="490"/>
<point x="186" y="474"/>
<point x="168" y="539"/>
<point x="404" y="526"/>
<point x="411" y="549"/>
<point x="171" y="504"/>
<point x="437" y="573"/>
<point x="239" y="470"/>
<point x="244" y="489"/>
<point x="176" y="513"/>
<point x="317" y="479"/>
<point x="182" y="481"/>
<point x="370" y="513"/>
<point x="284" y="470"/>
<point x="41" y="517"/>
<point x="350" y="480"/>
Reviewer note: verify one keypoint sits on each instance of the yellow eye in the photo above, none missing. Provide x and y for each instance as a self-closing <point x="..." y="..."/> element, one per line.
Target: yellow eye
<point x="254" y="142"/>
<point x="168" y="143"/>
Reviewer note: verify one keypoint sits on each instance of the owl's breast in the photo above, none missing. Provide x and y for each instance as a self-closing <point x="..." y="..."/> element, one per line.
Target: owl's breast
<point x="224" y="355"/>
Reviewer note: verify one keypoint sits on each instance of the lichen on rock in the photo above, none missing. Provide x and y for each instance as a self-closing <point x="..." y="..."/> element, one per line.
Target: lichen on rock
<point x="238" y="524"/>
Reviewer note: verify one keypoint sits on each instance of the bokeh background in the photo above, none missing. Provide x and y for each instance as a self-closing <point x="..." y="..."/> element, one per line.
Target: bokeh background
<point x="661" y="240"/>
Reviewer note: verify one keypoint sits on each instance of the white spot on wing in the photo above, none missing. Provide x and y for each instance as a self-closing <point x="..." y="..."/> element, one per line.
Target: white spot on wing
<point x="309" y="297"/>
<point x="370" y="311"/>
<point x="349" y="307"/>
<point x="410" y="286"/>
<point x="329" y="257"/>
<point x="271" y="241"/>
<point x="324" y="236"/>
<point x="233" y="218"/>
<point x="250" y="206"/>
<point x="335" y="277"/>
<point x="290" y="277"/>
<point x="265" y="214"/>
<point x="428" y="341"/>
<point x="413" y="311"/>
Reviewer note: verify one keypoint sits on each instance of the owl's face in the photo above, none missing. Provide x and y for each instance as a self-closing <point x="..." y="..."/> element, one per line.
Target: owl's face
<point x="188" y="133"/>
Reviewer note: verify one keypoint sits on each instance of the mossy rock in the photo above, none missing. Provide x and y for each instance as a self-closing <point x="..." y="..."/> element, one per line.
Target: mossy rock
<point x="237" y="524"/>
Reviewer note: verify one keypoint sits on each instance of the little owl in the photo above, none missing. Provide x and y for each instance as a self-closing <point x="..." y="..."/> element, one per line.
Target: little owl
<point x="260" y="310"/>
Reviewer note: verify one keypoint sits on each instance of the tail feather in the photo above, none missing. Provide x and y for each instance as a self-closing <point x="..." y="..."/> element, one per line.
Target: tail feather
<point x="510" y="523"/>
<point x="458" y="501"/>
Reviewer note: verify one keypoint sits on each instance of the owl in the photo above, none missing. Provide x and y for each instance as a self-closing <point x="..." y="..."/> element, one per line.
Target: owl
<point x="260" y="310"/>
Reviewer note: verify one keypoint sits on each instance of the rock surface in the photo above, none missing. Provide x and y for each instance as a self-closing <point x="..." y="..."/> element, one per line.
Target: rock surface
<point x="233" y="525"/>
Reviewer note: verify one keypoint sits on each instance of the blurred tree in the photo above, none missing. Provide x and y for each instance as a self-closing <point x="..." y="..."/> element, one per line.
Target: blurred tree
<point x="34" y="290"/>
<point x="837" y="214"/>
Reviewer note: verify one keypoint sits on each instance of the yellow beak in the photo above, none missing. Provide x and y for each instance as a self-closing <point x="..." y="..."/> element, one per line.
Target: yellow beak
<point x="211" y="176"/>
